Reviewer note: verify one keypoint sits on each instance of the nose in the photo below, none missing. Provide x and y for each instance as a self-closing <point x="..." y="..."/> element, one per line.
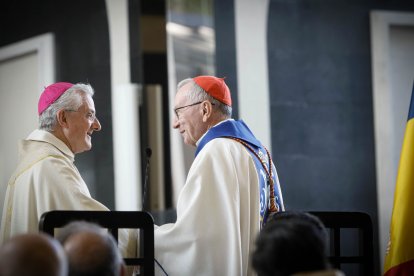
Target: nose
<point x="96" y="126"/>
<point x="175" y="122"/>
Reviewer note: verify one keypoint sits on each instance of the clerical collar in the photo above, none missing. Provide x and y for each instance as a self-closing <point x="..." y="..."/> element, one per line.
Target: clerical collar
<point x="219" y="123"/>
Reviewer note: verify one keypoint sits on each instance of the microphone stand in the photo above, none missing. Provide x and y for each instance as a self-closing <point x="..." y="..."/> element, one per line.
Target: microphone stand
<point x="148" y="153"/>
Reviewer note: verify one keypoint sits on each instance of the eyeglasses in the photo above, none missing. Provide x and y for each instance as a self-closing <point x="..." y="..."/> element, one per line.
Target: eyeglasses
<point x="90" y="115"/>
<point x="178" y="108"/>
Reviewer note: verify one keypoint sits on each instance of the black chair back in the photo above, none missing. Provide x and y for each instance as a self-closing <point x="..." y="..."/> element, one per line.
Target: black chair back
<point x="337" y="221"/>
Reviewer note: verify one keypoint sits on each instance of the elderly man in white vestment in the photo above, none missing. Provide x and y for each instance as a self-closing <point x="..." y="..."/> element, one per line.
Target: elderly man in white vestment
<point x="231" y="188"/>
<point x="46" y="177"/>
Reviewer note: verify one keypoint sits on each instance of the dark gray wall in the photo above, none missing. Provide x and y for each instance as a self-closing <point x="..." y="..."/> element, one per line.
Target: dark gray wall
<point x="225" y="47"/>
<point x="82" y="55"/>
<point x="321" y="102"/>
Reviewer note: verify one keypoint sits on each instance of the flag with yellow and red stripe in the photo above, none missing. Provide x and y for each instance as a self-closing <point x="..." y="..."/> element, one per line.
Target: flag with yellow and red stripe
<point x="399" y="259"/>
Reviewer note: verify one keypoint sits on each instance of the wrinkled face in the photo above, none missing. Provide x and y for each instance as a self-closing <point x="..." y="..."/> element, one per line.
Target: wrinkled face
<point x="188" y="119"/>
<point x="81" y="124"/>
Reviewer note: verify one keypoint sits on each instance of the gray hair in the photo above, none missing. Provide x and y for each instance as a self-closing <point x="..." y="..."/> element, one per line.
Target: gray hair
<point x="198" y="94"/>
<point x="106" y="260"/>
<point x="71" y="99"/>
<point x="32" y="254"/>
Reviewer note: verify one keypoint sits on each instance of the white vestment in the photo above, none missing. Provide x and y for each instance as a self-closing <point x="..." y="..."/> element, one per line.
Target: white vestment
<point x="46" y="179"/>
<point x="218" y="215"/>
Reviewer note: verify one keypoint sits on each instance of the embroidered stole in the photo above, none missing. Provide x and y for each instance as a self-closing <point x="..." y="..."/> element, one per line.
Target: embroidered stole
<point x="270" y="198"/>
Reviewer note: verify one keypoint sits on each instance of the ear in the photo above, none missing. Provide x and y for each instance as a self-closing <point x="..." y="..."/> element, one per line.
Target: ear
<point x="207" y="109"/>
<point x="62" y="120"/>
